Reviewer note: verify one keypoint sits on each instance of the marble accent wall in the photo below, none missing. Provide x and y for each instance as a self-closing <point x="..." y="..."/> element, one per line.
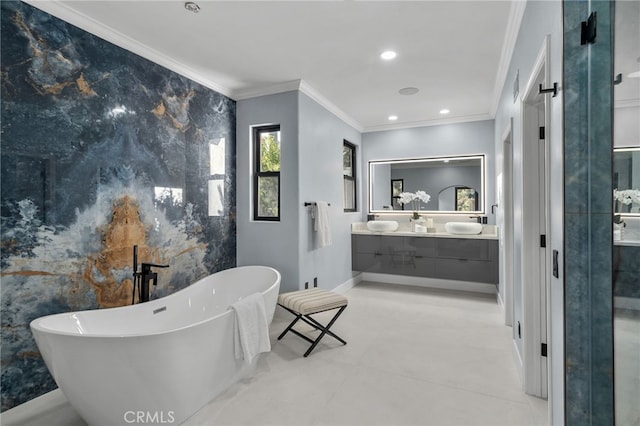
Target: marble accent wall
<point x="588" y="219"/>
<point x="101" y="150"/>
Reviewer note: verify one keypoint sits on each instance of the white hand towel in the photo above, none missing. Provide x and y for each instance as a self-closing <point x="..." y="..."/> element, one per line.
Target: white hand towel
<point x="251" y="328"/>
<point x="321" y="224"/>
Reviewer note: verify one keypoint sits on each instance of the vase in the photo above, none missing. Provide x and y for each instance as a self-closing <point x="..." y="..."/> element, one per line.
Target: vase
<point x="420" y="221"/>
<point x="617" y="232"/>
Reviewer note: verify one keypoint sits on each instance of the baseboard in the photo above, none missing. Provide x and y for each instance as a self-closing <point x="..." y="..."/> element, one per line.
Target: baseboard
<point x="517" y="359"/>
<point x="500" y="302"/>
<point x="430" y="282"/>
<point x="348" y="284"/>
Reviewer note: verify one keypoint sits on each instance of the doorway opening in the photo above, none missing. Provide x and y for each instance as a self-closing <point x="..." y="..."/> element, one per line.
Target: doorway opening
<point x="506" y="210"/>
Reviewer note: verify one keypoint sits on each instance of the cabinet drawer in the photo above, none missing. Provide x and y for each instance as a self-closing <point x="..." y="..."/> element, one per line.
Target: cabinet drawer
<point x="423" y="246"/>
<point x="378" y="263"/>
<point x="421" y="267"/>
<point x="467" y="270"/>
<point x="460" y="248"/>
<point x="376" y="244"/>
<point x="366" y="243"/>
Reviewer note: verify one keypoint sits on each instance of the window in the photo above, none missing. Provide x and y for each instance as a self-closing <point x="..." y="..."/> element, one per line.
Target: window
<point x="349" y="176"/>
<point x="466" y="199"/>
<point x="266" y="181"/>
<point x="397" y="188"/>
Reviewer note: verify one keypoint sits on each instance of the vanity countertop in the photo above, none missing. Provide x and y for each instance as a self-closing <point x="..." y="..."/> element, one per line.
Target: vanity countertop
<point x="489" y="232"/>
<point x="630" y="243"/>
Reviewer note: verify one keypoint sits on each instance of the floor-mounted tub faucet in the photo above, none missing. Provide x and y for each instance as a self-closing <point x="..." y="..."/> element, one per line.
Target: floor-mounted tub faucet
<point x="142" y="280"/>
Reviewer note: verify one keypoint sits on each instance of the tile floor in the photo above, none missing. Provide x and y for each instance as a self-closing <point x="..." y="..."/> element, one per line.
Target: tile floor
<point x="414" y="356"/>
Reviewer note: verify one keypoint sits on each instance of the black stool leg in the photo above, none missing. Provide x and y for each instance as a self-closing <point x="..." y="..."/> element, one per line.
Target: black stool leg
<point x="312" y="322"/>
<point x="325" y="330"/>
<point x="298" y="316"/>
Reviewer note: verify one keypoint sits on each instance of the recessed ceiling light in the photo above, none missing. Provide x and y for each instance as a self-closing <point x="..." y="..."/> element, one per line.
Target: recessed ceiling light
<point x="408" y="91"/>
<point x="192" y="7"/>
<point x="444" y="111"/>
<point x="634" y="74"/>
<point x="387" y="55"/>
<point x="393" y="117"/>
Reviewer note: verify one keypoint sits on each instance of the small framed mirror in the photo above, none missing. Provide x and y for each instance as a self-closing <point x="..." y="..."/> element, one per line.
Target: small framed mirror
<point x="455" y="185"/>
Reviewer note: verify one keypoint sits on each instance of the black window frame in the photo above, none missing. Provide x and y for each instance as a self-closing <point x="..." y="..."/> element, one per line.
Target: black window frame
<point x="353" y="177"/>
<point x="257" y="173"/>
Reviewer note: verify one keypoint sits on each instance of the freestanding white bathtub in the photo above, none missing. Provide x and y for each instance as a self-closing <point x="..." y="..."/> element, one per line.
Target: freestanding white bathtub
<point x="156" y="362"/>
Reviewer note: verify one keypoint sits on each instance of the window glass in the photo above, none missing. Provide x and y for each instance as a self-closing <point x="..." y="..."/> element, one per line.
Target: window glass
<point x="266" y="184"/>
<point x="349" y="175"/>
<point x="270" y="151"/>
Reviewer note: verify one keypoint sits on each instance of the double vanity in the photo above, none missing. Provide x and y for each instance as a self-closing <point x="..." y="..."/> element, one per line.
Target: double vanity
<point x="461" y="251"/>
<point x="461" y="254"/>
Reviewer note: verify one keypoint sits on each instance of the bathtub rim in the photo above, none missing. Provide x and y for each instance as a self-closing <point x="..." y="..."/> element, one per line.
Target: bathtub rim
<point x="35" y="325"/>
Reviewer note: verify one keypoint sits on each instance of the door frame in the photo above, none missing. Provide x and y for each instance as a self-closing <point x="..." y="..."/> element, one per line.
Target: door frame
<point x="505" y="208"/>
<point x="535" y="260"/>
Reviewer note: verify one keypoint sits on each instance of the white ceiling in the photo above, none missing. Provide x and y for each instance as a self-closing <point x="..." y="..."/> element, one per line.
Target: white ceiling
<point x="455" y="52"/>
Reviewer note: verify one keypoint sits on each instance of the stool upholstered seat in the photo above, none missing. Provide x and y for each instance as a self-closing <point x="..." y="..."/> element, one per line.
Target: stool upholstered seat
<point x="311" y="301"/>
<point x="304" y="303"/>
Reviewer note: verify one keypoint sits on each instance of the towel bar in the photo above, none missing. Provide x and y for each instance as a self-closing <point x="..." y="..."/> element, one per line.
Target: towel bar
<point x="308" y="203"/>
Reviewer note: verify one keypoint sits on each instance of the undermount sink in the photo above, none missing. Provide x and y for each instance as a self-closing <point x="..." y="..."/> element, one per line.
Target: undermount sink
<point x="463" y="228"/>
<point x="382" y="225"/>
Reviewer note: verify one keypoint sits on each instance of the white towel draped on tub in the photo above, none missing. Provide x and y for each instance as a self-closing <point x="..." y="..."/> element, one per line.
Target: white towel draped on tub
<point x="321" y="223"/>
<point x="251" y="328"/>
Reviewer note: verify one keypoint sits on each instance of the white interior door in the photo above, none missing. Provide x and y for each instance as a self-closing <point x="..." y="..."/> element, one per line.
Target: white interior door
<point x="535" y="253"/>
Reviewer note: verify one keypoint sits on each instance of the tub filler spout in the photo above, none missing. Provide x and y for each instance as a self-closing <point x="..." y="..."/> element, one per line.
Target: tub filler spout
<point x="142" y="280"/>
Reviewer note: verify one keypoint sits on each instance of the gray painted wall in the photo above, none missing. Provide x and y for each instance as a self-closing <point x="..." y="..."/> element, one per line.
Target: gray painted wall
<point x="541" y="18"/>
<point x="273" y="244"/>
<point x="444" y="140"/>
<point x="320" y="178"/>
<point x="311" y="170"/>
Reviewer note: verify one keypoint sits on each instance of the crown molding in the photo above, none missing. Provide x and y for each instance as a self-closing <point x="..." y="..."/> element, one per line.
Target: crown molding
<point x="427" y="123"/>
<point x="516" y="13"/>
<point x="273" y="89"/>
<point x="330" y="106"/>
<point x="303" y="87"/>
<point x="105" y="32"/>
